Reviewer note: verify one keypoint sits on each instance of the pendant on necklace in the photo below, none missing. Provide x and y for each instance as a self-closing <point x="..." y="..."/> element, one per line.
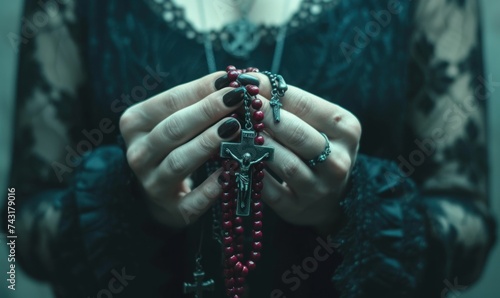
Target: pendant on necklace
<point x="242" y="37"/>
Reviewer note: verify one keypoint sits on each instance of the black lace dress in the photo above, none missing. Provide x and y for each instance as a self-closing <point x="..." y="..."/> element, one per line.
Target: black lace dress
<point x="417" y="218"/>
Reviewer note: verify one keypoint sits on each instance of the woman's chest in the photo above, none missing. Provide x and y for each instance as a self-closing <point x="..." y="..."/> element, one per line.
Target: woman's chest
<point x="354" y="55"/>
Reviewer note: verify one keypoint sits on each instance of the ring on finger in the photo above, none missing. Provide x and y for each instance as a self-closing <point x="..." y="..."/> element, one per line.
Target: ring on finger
<point x="323" y="155"/>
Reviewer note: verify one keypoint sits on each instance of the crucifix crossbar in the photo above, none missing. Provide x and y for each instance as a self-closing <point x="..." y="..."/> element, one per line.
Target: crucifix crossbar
<point x="246" y="153"/>
<point x="199" y="285"/>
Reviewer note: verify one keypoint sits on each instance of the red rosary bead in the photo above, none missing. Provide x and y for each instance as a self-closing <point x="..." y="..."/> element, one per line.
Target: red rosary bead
<point x="233" y="75"/>
<point x="259" y="140"/>
<point x="252" y="90"/>
<point x="259" y="175"/>
<point x="238" y="220"/>
<point x="230" y="282"/>
<point x="230" y="68"/>
<point x="251" y="265"/>
<point x="257" y="225"/>
<point x="257" y="235"/>
<point x="257" y="215"/>
<point x="256" y="196"/>
<point x="244" y="271"/>
<point x="234" y="84"/>
<point x="238" y="267"/>
<point x="226" y="207"/>
<point x="228" y="251"/>
<point x="257" y="245"/>
<point x="239" y="230"/>
<point x="255" y="256"/>
<point x="232" y="260"/>
<point x="226" y="197"/>
<point x="257" y="206"/>
<point x="258" y="116"/>
<point x="258" y="186"/>
<point x="227" y="216"/>
<point x="227" y="225"/>
<point x="258" y="127"/>
<point x="228" y="240"/>
<point x="259" y="166"/>
<point x="257" y="104"/>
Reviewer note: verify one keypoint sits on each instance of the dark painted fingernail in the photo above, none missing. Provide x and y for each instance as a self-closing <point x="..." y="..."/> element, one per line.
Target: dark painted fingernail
<point x="234" y="97"/>
<point x="228" y="128"/>
<point x="222" y="82"/>
<point x="245" y="79"/>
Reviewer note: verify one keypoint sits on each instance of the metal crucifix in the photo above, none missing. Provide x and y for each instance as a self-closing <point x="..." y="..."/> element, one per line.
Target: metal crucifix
<point x="246" y="153"/>
<point x="199" y="284"/>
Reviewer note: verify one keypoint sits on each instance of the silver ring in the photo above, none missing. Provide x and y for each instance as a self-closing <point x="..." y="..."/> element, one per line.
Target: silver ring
<point x="323" y="155"/>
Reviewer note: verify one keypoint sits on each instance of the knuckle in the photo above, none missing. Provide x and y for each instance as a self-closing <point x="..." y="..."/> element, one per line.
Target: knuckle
<point x="152" y="188"/>
<point x="171" y="101"/>
<point x="175" y="164"/>
<point x="210" y="191"/>
<point x="290" y="170"/>
<point x="354" y="128"/>
<point x="342" y="166"/>
<point x="298" y="137"/>
<point x="173" y="129"/>
<point x="127" y="121"/>
<point x="208" y="109"/>
<point x="322" y="190"/>
<point x="207" y="144"/>
<point x="302" y="104"/>
<point x="136" y="158"/>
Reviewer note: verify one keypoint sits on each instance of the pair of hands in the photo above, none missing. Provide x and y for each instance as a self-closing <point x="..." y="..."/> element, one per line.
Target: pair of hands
<point x="172" y="134"/>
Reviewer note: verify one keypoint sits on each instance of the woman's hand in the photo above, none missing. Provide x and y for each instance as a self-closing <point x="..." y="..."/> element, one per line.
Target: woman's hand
<point x="172" y="134"/>
<point x="308" y="195"/>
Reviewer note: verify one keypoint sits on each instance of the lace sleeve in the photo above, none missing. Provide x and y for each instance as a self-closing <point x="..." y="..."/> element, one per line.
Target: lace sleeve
<point x="421" y="227"/>
<point x="47" y="122"/>
<point x="448" y="125"/>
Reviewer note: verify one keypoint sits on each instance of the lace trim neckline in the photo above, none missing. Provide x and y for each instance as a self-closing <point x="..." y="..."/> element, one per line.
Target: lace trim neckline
<point x="309" y="12"/>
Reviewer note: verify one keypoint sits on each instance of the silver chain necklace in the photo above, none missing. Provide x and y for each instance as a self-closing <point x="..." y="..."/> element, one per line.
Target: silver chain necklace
<point x="245" y="39"/>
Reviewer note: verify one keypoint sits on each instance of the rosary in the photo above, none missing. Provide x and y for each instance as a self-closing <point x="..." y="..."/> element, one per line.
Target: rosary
<point x="241" y="182"/>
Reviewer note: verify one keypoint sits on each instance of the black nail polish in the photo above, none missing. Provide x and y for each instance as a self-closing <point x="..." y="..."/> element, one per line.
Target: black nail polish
<point x="234" y="97"/>
<point x="222" y="82"/>
<point x="228" y="128"/>
<point x="245" y="79"/>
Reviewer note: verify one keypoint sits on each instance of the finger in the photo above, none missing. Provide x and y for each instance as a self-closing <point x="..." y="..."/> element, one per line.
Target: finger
<point x="323" y="115"/>
<point x="197" y="202"/>
<point x="189" y="122"/>
<point x="190" y="206"/>
<point x="294" y="133"/>
<point x="290" y="168"/>
<point x="337" y="166"/>
<point x="281" y="199"/>
<point x="185" y="159"/>
<point x="145" y="115"/>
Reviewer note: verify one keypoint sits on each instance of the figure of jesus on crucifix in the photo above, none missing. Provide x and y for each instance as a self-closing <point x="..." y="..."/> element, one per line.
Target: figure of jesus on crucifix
<point x="246" y="153"/>
<point x="243" y="177"/>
